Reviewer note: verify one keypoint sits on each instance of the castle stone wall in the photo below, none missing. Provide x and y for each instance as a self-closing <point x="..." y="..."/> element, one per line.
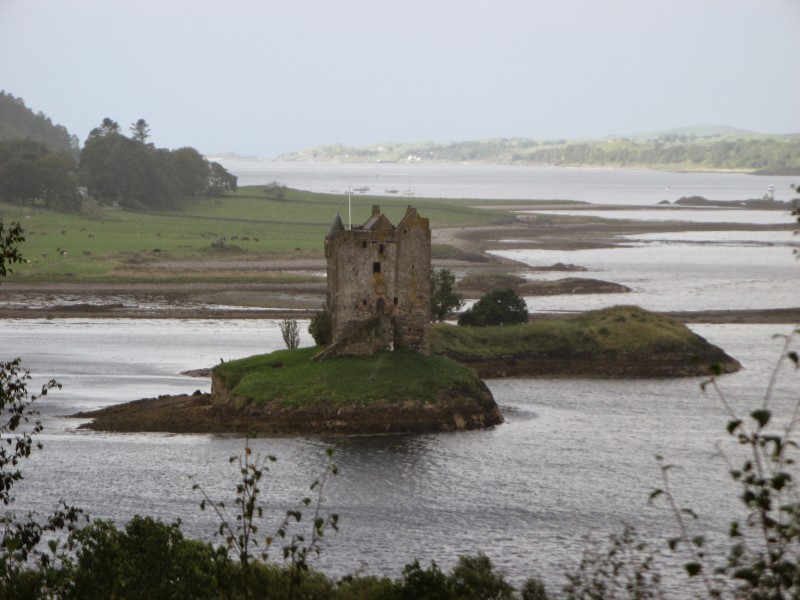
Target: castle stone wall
<point x="379" y="270"/>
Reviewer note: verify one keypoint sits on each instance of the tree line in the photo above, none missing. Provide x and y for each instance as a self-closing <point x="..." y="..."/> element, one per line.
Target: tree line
<point x="18" y="122"/>
<point x="746" y="154"/>
<point x="135" y="174"/>
<point x="41" y="164"/>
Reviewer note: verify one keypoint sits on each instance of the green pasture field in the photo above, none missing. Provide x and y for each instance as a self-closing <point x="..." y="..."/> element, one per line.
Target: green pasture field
<point x="118" y="245"/>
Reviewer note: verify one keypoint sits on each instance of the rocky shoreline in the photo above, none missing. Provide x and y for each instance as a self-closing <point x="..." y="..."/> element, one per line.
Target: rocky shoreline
<point x="197" y="413"/>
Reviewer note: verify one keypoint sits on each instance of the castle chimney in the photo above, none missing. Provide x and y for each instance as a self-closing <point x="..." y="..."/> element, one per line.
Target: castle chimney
<point x="376" y="210"/>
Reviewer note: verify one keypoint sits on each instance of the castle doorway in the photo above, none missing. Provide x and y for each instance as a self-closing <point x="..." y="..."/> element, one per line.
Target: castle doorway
<point x="380" y="305"/>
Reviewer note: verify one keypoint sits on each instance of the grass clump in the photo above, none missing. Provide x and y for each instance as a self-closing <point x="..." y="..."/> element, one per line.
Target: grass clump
<point x="292" y="377"/>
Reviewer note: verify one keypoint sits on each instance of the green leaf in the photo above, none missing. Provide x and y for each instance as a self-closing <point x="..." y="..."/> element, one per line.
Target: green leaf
<point x="699" y="541"/>
<point x="780" y="480"/>
<point x="673" y="542"/>
<point x="761" y="416"/>
<point x="693" y="568"/>
<point x="733" y="425"/>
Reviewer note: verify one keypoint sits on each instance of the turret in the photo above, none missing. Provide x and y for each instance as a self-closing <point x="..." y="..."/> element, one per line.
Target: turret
<point x="336" y="227"/>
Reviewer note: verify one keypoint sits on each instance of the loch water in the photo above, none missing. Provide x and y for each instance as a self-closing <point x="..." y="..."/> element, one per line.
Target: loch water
<point x="575" y="457"/>
<point x="507" y="182"/>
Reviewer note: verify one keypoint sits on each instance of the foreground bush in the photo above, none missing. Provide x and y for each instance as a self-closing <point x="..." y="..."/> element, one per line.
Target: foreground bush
<point x="147" y="559"/>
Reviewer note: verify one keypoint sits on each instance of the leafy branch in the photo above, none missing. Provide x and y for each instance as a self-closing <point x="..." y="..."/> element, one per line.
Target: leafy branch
<point x="240" y="531"/>
<point x="769" y="568"/>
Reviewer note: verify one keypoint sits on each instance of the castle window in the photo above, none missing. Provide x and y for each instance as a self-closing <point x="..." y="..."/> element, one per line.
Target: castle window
<point x="395" y="300"/>
<point x="363" y="244"/>
<point x="380" y="249"/>
<point x="376" y="267"/>
<point x="364" y="302"/>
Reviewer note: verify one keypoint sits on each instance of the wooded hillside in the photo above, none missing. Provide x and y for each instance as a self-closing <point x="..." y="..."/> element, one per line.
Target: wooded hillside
<point x="691" y="148"/>
<point x="18" y="122"/>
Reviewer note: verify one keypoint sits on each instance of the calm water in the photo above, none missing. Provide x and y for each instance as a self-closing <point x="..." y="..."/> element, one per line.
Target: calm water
<point x="679" y="270"/>
<point x="667" y="275"/>
<point x="501" y="182"/>
<point x="574" y="457"/>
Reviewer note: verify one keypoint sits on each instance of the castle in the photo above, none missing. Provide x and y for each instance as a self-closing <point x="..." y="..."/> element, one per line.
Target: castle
<point x="379" y="285"/>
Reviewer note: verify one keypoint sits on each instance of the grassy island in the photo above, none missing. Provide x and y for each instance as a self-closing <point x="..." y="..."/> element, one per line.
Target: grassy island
<point x="390" y="392"/>
<point x="286" y="392"/>
<point x="622" y="341"/>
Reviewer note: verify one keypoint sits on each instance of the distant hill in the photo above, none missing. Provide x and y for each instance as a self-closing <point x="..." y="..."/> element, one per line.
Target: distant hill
<point x="701" y="131"/>
<point x="703" y="147"/>
<point x="17" y="121"/>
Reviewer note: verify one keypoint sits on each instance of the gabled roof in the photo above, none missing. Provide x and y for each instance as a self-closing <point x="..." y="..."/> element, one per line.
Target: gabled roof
<point x="412" y="218"/>
<point x="378" y="223"/>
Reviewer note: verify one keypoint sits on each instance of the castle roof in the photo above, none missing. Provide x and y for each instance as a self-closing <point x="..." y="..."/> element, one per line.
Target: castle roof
<point x="336" y="226"/>
<point x="412" y="220"/>
<point x="377" y="222"/>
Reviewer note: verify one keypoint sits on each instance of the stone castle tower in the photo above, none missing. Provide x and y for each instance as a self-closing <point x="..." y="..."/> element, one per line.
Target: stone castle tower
<point x="379" y="285"/>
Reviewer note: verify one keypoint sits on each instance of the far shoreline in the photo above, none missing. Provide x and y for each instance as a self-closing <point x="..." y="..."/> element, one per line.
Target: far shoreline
<point x="662" y="169"/>
<point x="764" y="316"/>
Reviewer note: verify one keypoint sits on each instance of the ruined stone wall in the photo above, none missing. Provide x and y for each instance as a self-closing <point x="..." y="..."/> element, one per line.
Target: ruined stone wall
<point x="361" y="338"/>
<point x="378" y="270"/>
<point x="358" y="289"/>
<point x="413" y="310"/>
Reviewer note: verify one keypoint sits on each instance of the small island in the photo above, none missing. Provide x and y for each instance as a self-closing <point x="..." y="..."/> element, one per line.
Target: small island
<point x="287" y="392"/>
<point x="621" y="341"/>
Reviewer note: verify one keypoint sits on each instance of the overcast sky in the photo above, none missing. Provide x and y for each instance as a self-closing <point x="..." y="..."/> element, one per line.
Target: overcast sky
<point x="263" y="77"/>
